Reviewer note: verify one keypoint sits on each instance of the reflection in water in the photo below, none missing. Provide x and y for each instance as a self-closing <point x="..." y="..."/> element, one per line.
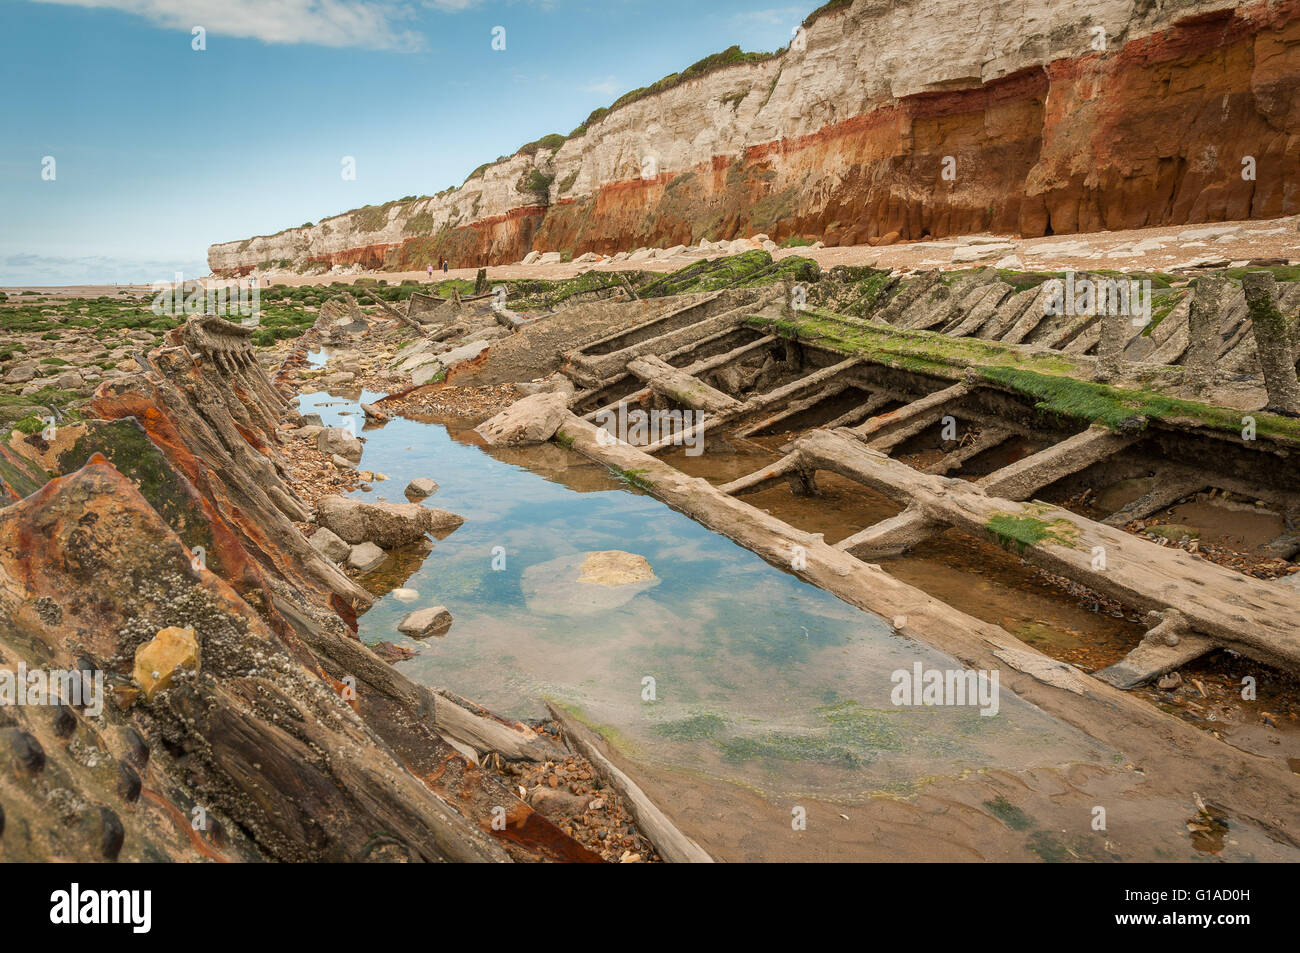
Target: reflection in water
<point x="757" y="676"/>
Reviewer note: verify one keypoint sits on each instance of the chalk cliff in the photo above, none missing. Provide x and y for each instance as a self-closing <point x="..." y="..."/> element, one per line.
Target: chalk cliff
<point x="915" y="117"/>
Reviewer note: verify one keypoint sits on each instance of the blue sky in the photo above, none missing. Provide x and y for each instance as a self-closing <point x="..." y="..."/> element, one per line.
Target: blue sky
<point x="160" y="150"/>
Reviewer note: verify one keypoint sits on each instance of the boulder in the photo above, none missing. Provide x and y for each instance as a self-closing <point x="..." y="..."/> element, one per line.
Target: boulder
<point x="365" y="557"/>
<point x="24" y="371"/>
<point x="966" y="253"/>
<point x="558" y="804"/>
<point x="527" y="421"/>
<point x="531" y="258"/>
<point x="385" y="524"/>
<point x="158" y="659"/>
<point x="613" y="567"/>
<point x="425" y="622"/>
<point x="556" y="383"/>
<point x="419" y="488"/>
<point x="329" y="545"/>
<point x="339" y="442"/>
<point x="584" y="584"/>
<point x="390" y="652"/>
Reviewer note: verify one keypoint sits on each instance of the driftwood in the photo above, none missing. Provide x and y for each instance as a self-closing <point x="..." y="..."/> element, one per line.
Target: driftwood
<point x="673" y="846"/>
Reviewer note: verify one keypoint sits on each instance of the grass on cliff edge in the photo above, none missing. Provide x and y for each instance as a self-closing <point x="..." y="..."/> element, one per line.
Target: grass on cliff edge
<point x="1054" y="381"/>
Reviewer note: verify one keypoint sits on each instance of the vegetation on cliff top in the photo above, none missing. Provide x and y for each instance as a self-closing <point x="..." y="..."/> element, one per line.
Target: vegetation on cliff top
<point x="750" y="269"/>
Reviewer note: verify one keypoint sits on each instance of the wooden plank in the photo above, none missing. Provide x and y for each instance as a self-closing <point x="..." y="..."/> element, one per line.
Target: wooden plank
<point x="907" y="412"/>
<point x="989" y="438"/>
<point x="763" y="477"/>
<point x="677" y="385"/>
<point x="893" y="536"/>
<point x="1028" y="475"/>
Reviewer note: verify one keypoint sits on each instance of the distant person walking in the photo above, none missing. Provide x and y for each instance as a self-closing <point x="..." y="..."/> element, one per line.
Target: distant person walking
<point x="444" y="266"/>
<point x="430" y="271"/>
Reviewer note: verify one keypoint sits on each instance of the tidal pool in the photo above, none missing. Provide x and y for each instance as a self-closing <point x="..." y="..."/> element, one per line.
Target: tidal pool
<point x="727" y="667"/>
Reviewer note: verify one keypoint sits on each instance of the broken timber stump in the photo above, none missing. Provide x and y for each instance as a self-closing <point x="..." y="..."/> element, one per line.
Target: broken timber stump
<point x="1170" y="645"/>
<point x="1275" y="338"/>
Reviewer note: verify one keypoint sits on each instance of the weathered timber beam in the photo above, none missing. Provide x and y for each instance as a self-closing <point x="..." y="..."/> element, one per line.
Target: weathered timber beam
<point x="865" y="409"/>
<point x="762" y="478"/>
<point x="1028" y="475"/>
<point x="989" y="438"/>
<point x="893" y="536"/>
<point x="721" y="360"/>
<point x="757" y="403"/>
<point x="796" y="408"/>
<point x="684" y="388"/>
<point x="405" y="319"/>
<point x="761" y="401"/>
<point x="1169" y="489"/>
<point x="905" y="430"/>
<point x="908" y="412"/>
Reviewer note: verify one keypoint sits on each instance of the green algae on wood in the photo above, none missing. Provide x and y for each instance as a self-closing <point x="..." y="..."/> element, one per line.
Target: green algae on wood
<point x="1021" y="532"/>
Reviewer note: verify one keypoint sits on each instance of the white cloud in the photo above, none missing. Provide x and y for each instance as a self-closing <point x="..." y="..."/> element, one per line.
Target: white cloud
<point x="774" y="17"/>
<point x="606" y="87"/>
<point x="18" y="270"/>
<point x="371" y="24"/>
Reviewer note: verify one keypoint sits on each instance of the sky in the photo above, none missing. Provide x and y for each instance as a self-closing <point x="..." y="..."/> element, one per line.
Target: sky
<point x="125" y="151"/>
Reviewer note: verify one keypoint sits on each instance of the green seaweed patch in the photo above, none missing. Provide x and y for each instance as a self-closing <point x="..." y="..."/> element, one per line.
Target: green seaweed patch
<point x="634" y="478"/>
<point x="851" y="738"/>
<point x="1127" y="409"/>
<point x="699" y="727"/>
<point x="1021" y="532"/>
<point x="1009" y="814"/>
<point x="615" y="738"/>
<point x="29" y="425"/>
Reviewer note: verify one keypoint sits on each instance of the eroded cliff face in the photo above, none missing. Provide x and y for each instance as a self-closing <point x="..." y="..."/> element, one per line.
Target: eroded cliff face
<point x="1046" y="117"/>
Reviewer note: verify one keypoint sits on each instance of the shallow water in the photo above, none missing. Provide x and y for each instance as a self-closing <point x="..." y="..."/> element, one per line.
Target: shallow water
<point x="758" y="677"/>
